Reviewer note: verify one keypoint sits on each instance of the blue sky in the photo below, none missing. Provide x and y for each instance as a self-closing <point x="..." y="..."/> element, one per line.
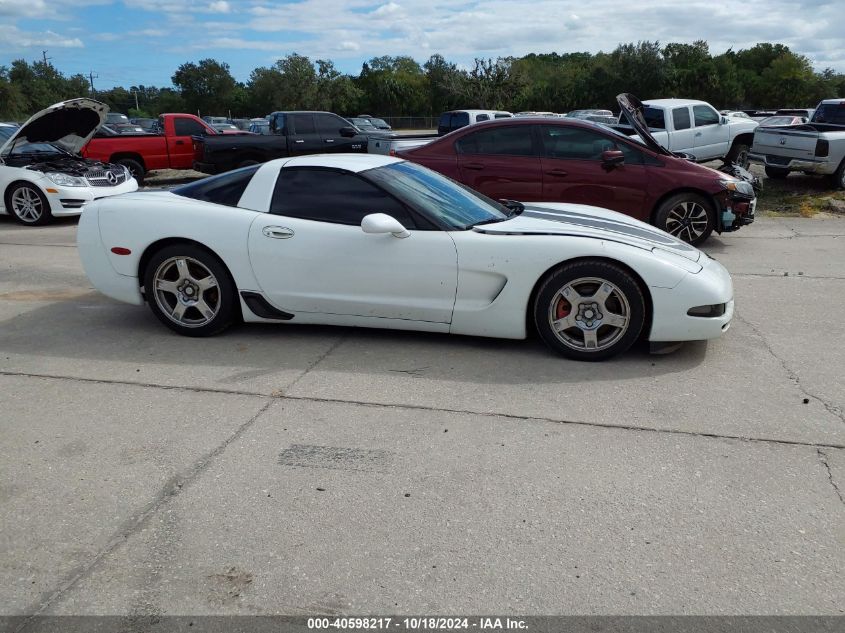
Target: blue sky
<point x="144" y="41"/>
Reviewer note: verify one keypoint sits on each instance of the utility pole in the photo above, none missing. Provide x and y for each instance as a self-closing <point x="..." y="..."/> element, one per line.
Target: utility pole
<point x="44" y="55"/>
<point x="91" y="78"/>
<point x="135" y="92"/>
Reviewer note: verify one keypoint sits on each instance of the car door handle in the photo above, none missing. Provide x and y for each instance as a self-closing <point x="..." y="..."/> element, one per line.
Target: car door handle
<point x="329" y="140"/>
<point x="277" y="232"/>
<point x="698" y="133"/>
<point x="557" y="172"/>
<point x="300" y="141"/>
<point x="476" y="166"/>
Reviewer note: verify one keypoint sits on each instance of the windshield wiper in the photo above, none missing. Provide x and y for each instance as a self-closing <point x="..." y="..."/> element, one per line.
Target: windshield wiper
<point x="488" y="221"/>
<point x="514" y="207"/>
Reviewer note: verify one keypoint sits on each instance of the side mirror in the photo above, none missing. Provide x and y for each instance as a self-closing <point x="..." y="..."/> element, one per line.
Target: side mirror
<point x="348" y="132"/>
<point x="612" y="157"/>
<point x="383" y="223"/>
<point x="723" y="120"/>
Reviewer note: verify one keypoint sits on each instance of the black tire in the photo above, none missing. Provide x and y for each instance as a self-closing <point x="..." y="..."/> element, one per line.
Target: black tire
<point x="738" y="154"/>
<point x="777" y="173"/>
<point x="687" y="216"/>
<point x="839" y="176"/>
<point x="135" y="168"/>
<point x="27" y="204"/>
<point x="184" y="313"/>
<point x="623" y="301"/>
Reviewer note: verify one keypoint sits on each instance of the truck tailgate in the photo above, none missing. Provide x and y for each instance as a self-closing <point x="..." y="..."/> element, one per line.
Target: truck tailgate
<point x="790" y="143"/>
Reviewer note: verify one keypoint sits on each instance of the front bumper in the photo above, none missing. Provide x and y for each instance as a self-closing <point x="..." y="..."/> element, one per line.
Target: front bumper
<point x="70" y="201"/>
<point x="735" y="211"/>
<point x="822" y="166"/>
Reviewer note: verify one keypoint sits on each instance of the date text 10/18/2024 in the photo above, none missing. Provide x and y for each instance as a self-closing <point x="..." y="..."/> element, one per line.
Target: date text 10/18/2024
<point x="416" y="623"/>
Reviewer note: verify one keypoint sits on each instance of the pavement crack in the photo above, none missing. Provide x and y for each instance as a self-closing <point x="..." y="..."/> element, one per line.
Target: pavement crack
<point x="791" y="374"/>
<point x="342" y="339"/>
<point x="173" y="487"/>
<point x="823" y="460"/>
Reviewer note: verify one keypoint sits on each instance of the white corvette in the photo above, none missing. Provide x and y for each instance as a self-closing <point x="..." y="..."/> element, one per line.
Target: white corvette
<point x="41" y="173"/>
<point x="372" y="241"/>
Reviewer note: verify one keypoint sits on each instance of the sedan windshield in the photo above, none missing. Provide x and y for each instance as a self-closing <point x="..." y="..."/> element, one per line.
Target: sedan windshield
<point x="435" y="195"/>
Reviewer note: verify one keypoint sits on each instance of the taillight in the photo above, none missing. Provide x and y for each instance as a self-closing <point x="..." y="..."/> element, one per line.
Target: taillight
<point x="822" y="147"/>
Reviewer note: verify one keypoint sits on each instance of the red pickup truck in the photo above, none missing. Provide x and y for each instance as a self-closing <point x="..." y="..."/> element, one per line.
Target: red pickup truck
<point x="170" y="149"/>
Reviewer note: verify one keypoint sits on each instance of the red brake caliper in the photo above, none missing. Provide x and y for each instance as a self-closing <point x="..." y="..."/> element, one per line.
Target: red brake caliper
<point x="562" y="309"/>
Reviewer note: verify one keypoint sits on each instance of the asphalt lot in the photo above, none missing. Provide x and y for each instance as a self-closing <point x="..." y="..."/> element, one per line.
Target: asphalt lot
<point x="300" y="470"/>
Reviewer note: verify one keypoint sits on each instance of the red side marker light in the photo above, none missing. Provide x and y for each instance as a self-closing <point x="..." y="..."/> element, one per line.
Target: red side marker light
<point x="120" y="250"/>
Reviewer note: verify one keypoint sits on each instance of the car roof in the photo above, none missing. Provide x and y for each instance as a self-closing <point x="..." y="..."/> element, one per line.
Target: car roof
<point x="350" y="162"/>
<point x="674" y="102"/>
<point x="830" y="101"/>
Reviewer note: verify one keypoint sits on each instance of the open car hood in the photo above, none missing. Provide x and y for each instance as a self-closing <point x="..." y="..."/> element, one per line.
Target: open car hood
<point x="632" y="108"/>
<point x="68" y="124"/>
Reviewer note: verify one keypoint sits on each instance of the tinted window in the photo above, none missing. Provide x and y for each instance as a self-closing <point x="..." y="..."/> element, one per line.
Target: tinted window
<point x="510" y="141"/>
<point x="680" y="116"/>
<point x="482" y="117"/>
<point x="704" y="115"/>
<point x="187" y="127"/>
<point x="459" y="119"/>
<point x="830" y="113"/>
<point x="302" y="124"/>
<point x="501" y="115"/>
<point x="223" y="189"/>
<point x="329" y="125"/>
<point x="654" y="118"/>
<point x="580" y="144"/>
<point x="327" y="195"/>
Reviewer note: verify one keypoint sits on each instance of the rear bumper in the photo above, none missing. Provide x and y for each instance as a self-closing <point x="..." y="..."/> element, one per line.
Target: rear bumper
<point x="821" y="166"/>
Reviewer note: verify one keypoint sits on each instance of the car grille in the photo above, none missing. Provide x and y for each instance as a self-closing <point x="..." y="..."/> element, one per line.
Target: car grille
<point x="105" y="177"/>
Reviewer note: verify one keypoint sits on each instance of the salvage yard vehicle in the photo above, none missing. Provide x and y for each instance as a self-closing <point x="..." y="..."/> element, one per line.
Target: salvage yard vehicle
<point x="170" y="148"/>
<point x="817" y="147"/>
<point x="291" y="134"/>
<point x="448" y="122"/>
<point x="691" y="127"/>
<point x="42" y="175"/>
<point x="373" y="241"/>
<point x="572" y="160"/>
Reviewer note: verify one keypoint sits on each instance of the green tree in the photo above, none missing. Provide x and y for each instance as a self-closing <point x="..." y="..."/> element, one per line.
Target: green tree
<point x="206" y="87"/>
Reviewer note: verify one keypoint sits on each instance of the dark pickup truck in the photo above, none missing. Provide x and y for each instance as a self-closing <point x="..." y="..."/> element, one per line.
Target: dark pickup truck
<point x="291" y="134"/>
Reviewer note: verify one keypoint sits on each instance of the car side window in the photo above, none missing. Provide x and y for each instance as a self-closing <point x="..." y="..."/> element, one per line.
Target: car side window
<point x="187" y="127"/>
<point x="328" y="195"/>
<point x="704" y="115"/>
<point x="329" y="125"/>
<point x="508" y="141"/>
<point x="302" y="124"/>
<point x="225" y="189"/>
<point x="680" y="116"/>
<point x="581" y="144"/>
<point x="482" y="117"/>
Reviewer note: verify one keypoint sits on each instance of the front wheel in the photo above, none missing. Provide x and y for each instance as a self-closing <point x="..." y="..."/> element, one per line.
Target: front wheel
<point x="687" y="216"/>
<point x="839" y="176"/>
<point x="190" y="291"/>
<point x="136" y="169"/>
<point x="589" y="310"/>
<point x="28" y="205"/>
<point x="739" y="155"/>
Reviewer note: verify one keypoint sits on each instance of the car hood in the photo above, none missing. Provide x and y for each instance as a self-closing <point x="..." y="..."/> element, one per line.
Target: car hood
<point x="581" y="220"/>
<point x="68" y="124"/>
<point x="632" y="108"/>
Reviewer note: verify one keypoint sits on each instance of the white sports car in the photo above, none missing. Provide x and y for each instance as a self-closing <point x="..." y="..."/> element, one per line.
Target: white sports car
<point x="372" y="241"/>
<point x="41" y="173"/>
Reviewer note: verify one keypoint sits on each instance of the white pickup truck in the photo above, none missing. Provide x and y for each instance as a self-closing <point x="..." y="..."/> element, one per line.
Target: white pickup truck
<point x="817" y="147"/>
<point x="691" y="127"/>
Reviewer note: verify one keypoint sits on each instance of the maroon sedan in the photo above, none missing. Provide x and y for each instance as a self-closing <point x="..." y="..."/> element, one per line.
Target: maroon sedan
<point x="568" y="160"/>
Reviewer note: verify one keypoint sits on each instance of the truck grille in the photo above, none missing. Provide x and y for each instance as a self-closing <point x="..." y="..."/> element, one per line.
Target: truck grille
<point x="105" y="177"/>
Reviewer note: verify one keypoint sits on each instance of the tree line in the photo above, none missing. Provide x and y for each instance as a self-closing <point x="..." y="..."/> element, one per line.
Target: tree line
<point x="763" y="76"/>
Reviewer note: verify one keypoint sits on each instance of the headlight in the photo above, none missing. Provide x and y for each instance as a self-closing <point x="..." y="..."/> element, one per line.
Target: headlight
<point x="740" y="186"/>
<point x="64" y="180"/>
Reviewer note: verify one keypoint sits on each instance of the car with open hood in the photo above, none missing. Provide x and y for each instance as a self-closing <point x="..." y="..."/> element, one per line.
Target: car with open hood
<point x="364" y="240"/>
<point x="42" y="175"/>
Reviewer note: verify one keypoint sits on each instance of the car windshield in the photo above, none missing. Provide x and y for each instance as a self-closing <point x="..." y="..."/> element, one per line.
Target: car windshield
<point x="22" y="147"/>
<point x="6" y="133"/>
<point x="439" y="197"/>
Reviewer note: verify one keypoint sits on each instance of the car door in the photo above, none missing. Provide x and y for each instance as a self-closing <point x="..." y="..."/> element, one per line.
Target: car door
<point x="310" y="255"/>
<point x="303" y="137"/>
<point x="712" y="139"/>
<point x="329" y="127"/>
<point x="501" y="162"/>
<point x="573" y="170"/>
<point x="683" y="136"/>
<point x="180" y="146"/>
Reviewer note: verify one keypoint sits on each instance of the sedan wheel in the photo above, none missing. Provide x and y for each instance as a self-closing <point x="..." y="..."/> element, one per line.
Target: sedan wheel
<point x="590" y="310"/>
<point x="686" y="216"/>
<point x="189" y="290"/>
<point x="28" y="205"/>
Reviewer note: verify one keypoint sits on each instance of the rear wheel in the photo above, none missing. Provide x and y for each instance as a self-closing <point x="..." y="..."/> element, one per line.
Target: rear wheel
<point x="190" y="291"/>
<point x="687" y="216"/>
<point x="839" y="176"/>
<point x="590" y="310"/>
<point x="777" y="173"/>
<point x="135" y="168"/>
<point x="28" y="205"/>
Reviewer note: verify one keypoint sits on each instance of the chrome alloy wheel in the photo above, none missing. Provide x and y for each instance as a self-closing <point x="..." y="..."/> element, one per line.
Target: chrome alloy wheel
<point x="186" y="291"/>
<point x="27" y="205"/>
<point x="687" y="221"/>
<point x="589" y="314"/>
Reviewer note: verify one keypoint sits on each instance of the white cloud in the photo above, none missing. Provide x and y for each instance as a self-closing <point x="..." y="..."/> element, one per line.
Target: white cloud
<point x="221" y="6"/>
<point x="15" y="39"/>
